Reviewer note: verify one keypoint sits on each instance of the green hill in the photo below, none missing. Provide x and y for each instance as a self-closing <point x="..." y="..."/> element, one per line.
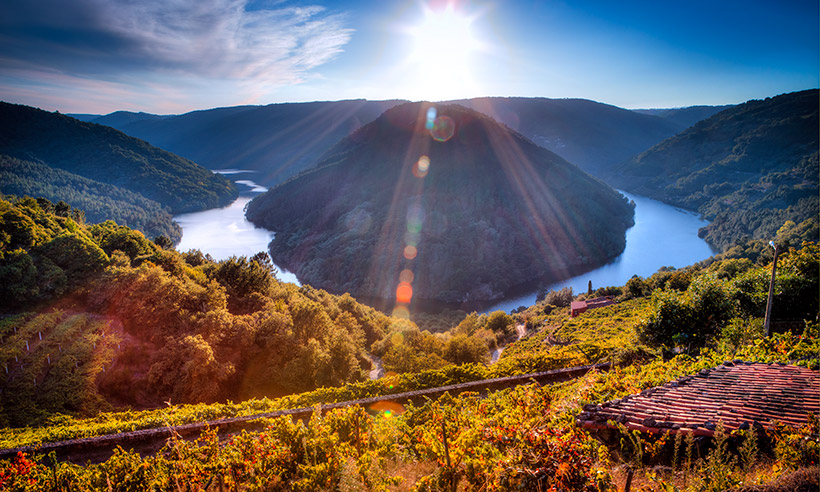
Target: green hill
<point x="488" y="211"/>
<point x="747" y="169"/>
<point x="109" y="156"/>
<point x="97" y="315"/>
<point x="99" y="201"/>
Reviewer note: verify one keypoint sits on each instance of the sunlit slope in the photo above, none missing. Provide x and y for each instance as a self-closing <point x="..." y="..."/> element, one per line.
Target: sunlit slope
<point x="748" y="169"/>
<point x="469" y="208"/>
<point x="99" y="315"/>
<point x="106" y="155"/>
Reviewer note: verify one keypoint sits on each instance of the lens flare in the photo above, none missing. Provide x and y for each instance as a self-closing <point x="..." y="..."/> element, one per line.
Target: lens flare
<point x="404" y="293"/>
<point x="443" y="128"/>
<point x="401" y="312"/>
<point x="431" y="118"/>
<point x="421" y="167"/>
<point x="407" y="276"/>
<point x="410" y="252"/>
<point x="388" y="408"/>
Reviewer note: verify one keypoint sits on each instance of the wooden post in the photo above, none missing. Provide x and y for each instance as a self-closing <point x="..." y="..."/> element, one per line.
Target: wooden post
<point x="628" y="484"/>
<point x="446" y="444"/>
<point x="767" y="324"/>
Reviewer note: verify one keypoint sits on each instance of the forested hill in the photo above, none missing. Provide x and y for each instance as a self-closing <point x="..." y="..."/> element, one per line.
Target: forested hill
<point x="99" y="201"/>
<point x="109" y="156"/>
<point x="470" y="207"/>
<point x="748" y="169"/>
<point x="115" y="319"/>
<point x="589" y="134"/>
<point x="277" y="140"/>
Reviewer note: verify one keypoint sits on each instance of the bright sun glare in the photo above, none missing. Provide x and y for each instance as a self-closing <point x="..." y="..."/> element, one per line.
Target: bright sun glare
<point x="442" y="57"/>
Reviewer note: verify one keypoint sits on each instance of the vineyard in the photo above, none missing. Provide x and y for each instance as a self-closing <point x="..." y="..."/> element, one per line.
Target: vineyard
<point x="522" y="438"/>
<point x="107" y="333"/>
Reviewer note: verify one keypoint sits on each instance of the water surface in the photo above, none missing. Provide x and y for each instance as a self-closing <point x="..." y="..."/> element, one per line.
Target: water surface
<point x="224" y="232"/>
<point x="663" y="235"/>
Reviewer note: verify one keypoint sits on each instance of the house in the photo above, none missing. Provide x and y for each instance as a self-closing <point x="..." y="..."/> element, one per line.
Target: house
<point x="578" y="307"/>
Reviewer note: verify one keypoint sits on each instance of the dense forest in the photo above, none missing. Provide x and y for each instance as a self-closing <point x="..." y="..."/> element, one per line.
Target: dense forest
<point x="747" y="169"/>
<point x="102" y="154"/>
<point x="99" y="201"/>
<point x="468" y="207"/>
<point x="97" y="316"/>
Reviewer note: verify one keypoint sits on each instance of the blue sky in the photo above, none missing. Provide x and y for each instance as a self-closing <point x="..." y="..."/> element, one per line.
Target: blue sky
<point x="172" y="56"/>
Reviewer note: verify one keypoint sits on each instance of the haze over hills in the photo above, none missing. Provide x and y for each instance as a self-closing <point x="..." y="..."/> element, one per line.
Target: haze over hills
<point x="480" y="214"/>
<point x="685" y="117"/>
<point x="109" y="156"/>
<point x="589" y="134"/>
<point x="277" y="140"/>
<point x="748" y="169"/>
<point x="281" y="140"/>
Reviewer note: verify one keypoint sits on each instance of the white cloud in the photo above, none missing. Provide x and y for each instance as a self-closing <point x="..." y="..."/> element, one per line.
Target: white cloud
<point x="242" y="48"/>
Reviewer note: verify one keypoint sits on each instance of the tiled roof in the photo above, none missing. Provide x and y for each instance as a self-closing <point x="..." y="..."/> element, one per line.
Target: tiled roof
<point x="737" y="393"/>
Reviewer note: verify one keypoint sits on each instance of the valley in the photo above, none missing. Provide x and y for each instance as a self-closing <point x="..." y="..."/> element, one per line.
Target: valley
<point x="106" y="330"/>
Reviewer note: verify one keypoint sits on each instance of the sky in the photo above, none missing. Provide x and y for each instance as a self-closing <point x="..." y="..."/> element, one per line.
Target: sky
<point x="174" y="56"/>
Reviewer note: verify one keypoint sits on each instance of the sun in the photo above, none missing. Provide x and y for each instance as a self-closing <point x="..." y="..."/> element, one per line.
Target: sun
<point x="442" y="59"/>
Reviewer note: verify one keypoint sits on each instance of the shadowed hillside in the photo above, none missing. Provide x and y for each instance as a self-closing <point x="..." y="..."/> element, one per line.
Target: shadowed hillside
<point x="589" y="134"/>
<point x="278" y="140"/>
<point x="472" y="209"/>
<point x="99" y="201"/>
<point x="109" y="156"/>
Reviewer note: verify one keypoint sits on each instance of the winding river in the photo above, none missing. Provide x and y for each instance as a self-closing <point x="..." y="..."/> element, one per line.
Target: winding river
<point x="224" y="232"/>
<point x="662" y="236"/>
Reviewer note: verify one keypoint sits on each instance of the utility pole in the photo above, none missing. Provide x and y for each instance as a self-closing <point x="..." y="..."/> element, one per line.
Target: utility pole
<point x="767" y="323"/>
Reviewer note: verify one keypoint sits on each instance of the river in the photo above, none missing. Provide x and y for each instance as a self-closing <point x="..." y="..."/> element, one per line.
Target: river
<point x="224" y="232"/>
<point x="662" y="236"/>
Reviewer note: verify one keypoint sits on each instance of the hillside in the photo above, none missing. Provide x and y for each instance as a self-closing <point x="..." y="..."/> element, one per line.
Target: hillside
<point x="521" y="438"/>
<point x="97" y="315"/>
<point x="473" y="216"/>
<point x="98" y="201"/>
<point x="589" y="134"/>
<point x="109" y="156"/>
<point x="278" y="140"/>
<point x="748" y="169"/>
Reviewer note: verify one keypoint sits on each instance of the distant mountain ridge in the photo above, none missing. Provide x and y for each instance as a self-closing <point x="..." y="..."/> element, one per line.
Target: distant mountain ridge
<point x="485" y="211"/>
<point x="592" y="135"/>
<point x="748" y="168"/>
<point x="103" y="154"/>
<point x="282" y="140"/>
<point x="685" y="117"/>
<point x="277" y="140"/>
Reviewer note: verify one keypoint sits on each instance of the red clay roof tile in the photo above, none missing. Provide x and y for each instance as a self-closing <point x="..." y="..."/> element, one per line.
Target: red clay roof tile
<point x="735" y="393"/>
